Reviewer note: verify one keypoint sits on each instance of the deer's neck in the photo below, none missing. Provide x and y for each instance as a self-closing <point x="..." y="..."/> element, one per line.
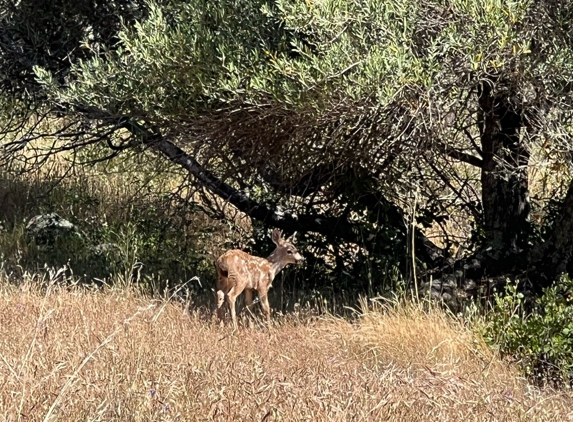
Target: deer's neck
<point x="276" y="264"/>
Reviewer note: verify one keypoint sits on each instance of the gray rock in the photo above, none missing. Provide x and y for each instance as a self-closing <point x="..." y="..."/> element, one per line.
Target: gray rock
<point x="46" y="228"/>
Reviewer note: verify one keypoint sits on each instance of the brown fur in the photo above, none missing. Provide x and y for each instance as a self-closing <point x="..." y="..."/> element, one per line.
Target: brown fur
<point x="237" y="271"/>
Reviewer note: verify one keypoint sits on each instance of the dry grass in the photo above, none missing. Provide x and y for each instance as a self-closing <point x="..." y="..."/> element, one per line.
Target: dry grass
<point x="73" y="354"/>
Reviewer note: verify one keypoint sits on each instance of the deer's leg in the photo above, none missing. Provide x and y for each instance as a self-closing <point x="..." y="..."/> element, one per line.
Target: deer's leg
<point x="222" y="281"/>
<point x="265" y="304"/>
<point x="249" y="299"/>
<point x="220" y="302"/>
<point x="231" y="298"/>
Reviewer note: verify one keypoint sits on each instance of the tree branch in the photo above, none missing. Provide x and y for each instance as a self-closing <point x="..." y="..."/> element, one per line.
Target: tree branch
<point x="272" y="216"/>
<point x="329" y="226"/>
<point x="459" y="155"/>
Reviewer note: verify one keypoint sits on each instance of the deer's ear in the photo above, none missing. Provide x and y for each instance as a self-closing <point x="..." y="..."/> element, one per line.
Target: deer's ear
<point x="276" y="237"/>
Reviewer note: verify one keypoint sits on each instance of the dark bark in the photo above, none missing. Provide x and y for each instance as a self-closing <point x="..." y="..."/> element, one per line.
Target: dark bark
<point x="505" y="198"/>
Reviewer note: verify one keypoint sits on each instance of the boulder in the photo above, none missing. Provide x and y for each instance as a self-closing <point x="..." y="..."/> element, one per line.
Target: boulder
<point x="45" y="229"/>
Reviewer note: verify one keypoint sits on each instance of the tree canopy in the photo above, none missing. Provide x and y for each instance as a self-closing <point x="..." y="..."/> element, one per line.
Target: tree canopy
<point x="369" y="126"/>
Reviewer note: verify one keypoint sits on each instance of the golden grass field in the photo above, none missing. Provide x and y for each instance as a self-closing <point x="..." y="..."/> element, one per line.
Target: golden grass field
<point x="73" y="354"/>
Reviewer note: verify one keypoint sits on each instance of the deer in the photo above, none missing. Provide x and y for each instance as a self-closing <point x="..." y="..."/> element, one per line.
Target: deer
<point x="238" y="271"/>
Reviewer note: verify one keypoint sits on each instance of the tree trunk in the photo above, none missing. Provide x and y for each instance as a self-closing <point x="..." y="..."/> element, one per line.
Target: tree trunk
<point x="505" y="195"/>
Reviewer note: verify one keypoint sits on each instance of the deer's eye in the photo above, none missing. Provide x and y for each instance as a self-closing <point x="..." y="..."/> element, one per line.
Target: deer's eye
<point x="289" y="251"/>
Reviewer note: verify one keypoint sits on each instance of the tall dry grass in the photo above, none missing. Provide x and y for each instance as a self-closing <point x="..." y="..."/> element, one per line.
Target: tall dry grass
<point x="72" y="354"/>
<point x="140" y="207"/>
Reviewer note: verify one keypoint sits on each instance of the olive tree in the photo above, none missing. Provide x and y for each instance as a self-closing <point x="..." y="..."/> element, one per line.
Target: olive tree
<point x="347" y="121"/>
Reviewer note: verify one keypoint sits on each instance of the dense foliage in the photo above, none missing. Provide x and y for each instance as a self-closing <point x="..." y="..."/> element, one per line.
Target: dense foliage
<point x="368" y="126"/>
<point x="539" y="335"/>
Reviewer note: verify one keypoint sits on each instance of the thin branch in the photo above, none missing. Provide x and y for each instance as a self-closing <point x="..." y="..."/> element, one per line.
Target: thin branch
<point x="331" y="227"/>
<point x="458" y="155"/>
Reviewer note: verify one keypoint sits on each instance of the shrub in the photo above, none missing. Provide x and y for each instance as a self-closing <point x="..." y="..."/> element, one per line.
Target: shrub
<point x="539" y="335"/>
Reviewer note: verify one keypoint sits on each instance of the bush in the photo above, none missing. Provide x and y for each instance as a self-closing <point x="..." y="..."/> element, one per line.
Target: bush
<point x="539" y="335"/>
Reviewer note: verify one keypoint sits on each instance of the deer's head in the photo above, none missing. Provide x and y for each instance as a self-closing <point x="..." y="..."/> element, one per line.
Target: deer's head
<point x="285" y="252"/>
